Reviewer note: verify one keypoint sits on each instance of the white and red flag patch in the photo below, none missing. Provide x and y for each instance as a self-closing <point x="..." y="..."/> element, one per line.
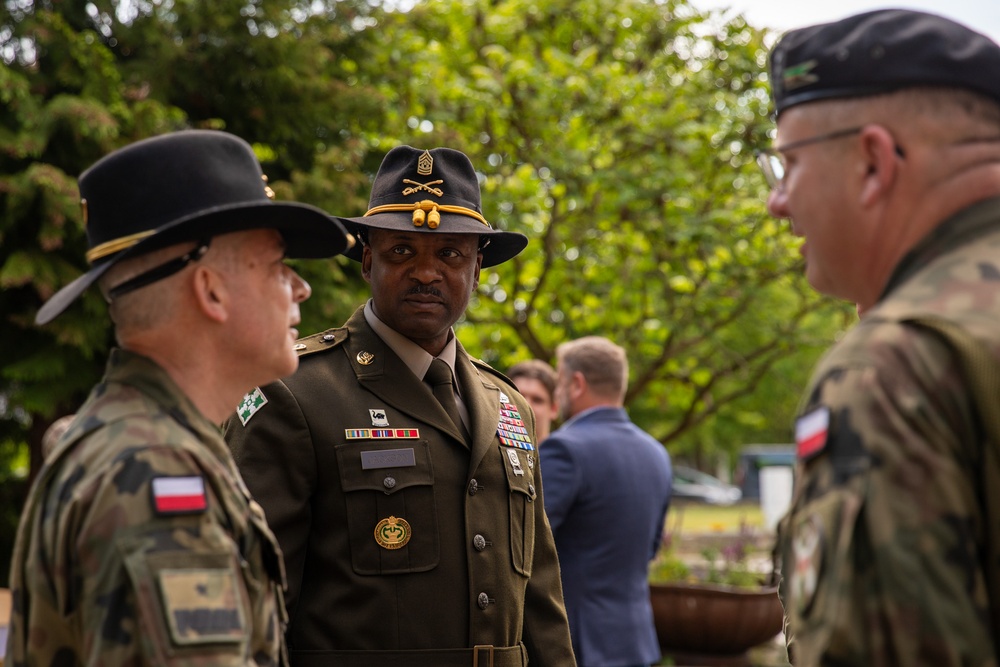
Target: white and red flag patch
<point x="810" y="432"/>
<point x="179" y="495"/>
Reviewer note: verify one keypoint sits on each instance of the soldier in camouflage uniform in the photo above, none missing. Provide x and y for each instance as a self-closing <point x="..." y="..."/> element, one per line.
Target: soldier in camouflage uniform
<point x="411" y="518"/>
<point x="887" y="161"/>
<point x="139" y="544"/>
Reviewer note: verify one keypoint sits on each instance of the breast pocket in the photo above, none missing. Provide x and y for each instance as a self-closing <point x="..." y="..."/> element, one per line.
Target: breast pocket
<point x="521" y="502"/>
<point x="391" y="512"/>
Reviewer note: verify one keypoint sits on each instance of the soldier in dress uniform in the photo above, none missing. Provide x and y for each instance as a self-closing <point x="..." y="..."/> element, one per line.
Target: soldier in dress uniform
<point x="887" y="161"/>
<point x="399" y="474"/>
<point x="139" y="543"/>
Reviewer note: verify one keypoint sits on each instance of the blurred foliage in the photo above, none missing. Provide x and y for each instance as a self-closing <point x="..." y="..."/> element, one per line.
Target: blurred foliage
<point x="618" y="136"/>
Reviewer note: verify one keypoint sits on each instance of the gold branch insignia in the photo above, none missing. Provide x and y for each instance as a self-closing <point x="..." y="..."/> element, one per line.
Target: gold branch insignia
<point x="423" y="186"/>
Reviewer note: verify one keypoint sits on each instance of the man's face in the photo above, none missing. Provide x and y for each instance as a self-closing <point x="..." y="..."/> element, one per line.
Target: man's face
<point x="538" y="398"/>
<point x="265" y="301"/>
<point x="816" y="196"/>
<point x="421" y="281"/>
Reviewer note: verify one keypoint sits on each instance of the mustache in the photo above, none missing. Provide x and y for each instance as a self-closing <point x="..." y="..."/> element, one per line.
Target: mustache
<point x="425" y="289"/>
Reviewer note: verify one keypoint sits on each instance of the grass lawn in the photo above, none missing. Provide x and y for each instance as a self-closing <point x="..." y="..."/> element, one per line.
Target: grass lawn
<point x="699" y="518"/>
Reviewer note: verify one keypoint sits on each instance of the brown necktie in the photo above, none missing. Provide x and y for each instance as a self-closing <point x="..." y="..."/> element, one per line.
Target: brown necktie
<point x="438" y="376"/>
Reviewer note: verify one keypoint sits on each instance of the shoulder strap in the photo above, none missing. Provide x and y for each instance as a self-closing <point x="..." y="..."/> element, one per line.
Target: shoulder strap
<point x="982" y="373"/>
<point x="978" y="366"/>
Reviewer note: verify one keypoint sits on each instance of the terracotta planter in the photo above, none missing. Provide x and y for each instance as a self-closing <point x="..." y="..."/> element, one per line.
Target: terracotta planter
<point x="714" y="621"/>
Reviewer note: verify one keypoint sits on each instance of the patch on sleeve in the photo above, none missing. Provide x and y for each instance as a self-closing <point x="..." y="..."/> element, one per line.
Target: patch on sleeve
<point x="808" y="552"/>
<point x="179" y="495"/>
<point x="202" y="606"/>
<point x="810" y="432"/>
<point x="252" y="402"/>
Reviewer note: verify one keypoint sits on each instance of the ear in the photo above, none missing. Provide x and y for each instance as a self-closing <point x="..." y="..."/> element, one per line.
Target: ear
<point x="881" y="157"/>
<point x="577" y="384"/>
<point x="211" y="294"/>
<point x="479" y="267"/>
<point x="366" y="263"/>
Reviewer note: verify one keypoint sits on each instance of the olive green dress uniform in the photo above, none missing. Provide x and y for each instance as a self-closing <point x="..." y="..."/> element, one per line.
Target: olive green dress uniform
<point x="891" y="550"/>
<point x="478" y="567"/>
<point x="140" y="543"/>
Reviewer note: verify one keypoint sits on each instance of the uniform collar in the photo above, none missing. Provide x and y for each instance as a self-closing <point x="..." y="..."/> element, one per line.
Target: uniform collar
<point x="960" y="229"/>
<point x="416" y="358"/>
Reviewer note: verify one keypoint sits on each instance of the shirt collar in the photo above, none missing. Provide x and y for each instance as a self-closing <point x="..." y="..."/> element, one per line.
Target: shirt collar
<point x="416" y="358"/>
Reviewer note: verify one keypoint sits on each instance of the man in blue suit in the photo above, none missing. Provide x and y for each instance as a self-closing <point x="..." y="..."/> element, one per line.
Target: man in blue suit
<point x="607" y="488"/>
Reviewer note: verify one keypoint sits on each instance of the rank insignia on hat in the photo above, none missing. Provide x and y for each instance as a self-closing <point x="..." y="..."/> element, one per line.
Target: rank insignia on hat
<point x="251" y="404"/>
<point x="179" y="495"/>
<point x="392" y="533"/>
<point x="425" y="163"/>
<point x="799" y="75"/>
<point x="378" y="417"/>
<point x="810" y="432"/>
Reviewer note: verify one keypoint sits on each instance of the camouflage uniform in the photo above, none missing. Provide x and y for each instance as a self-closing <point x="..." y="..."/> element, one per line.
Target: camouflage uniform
<point x="891" y="550"/>
<point x="118" y="564"/>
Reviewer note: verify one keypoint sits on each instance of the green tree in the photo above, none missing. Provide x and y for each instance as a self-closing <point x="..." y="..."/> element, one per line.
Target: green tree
<point x="81" y="79"/>
<point x="619" y="136"/>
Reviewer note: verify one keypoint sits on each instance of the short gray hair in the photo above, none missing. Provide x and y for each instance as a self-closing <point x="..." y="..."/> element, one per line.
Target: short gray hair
<point x="601" y="362"/>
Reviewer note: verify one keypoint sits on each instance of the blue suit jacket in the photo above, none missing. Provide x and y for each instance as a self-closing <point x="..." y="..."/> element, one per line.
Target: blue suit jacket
<point x="607" y="487"/>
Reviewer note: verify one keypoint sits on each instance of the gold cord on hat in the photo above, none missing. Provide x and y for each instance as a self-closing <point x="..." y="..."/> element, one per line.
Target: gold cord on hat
<point x="116" y="245"/>
<point x="432" y="215"/>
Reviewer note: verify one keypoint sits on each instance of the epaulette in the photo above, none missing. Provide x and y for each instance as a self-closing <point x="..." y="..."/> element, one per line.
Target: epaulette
<point x="479" y="363"/>
<point x="319" y="342"/>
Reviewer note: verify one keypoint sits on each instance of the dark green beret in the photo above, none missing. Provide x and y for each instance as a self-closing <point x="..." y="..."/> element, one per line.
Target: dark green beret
<point x="878" y="52"/>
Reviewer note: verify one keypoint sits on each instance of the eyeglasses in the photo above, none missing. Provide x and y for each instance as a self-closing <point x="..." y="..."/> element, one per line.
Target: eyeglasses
<point x="772" y="162"/>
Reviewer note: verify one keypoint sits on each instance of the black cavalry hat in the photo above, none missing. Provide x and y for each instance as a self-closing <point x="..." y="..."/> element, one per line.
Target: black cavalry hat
<point x="432" y="190"/>
<point x="185" y="186"/>
<point x="878" y="52"/>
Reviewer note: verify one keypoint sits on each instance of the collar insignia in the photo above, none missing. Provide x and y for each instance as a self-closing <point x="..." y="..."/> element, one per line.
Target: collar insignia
<point x="252" y="402"/>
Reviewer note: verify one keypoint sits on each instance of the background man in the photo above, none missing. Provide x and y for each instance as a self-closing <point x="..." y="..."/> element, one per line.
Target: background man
<point x="399" y="474"/>
<point x="536" y="381"/>
<point x="139" y="543"/>
<point x="887" y="161"/>
<point x="608" y="486"/>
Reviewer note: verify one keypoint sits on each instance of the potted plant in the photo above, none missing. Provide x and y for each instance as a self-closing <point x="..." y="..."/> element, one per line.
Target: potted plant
<point x="711" y="610"/>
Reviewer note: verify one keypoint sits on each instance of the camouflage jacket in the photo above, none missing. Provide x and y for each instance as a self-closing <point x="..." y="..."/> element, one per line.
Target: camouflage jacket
<point x="138" y="544"/>
<point x="891" y="550"/>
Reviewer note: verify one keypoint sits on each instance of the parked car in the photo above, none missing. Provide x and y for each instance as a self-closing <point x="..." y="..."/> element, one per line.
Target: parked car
<point x="694" y="485"/>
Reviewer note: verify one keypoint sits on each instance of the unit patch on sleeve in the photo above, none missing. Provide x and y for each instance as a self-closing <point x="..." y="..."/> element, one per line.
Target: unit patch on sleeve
<point x="810" y="432"/>
<point x="202" y="605"/>
<point x="252" y="402"/>
<point x="179" y="495"/>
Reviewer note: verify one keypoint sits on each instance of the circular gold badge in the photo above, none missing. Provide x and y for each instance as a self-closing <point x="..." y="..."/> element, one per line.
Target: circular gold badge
<point x="392" y="533"/>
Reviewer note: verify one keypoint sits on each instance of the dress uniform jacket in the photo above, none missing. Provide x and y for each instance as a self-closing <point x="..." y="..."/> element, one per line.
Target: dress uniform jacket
<point x="139" y="544"/>
<point x="354" y="439"/>
<point x="891" y="550"/>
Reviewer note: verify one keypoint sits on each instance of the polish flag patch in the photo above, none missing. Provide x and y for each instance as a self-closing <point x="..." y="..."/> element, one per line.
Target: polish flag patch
<point x="179" y="495"/>
<point x="810" y="432"/>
